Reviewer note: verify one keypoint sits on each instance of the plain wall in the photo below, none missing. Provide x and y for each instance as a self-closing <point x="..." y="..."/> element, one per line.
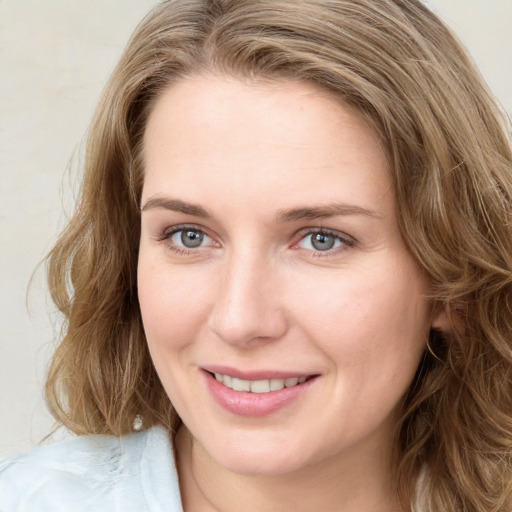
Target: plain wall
<point x="55" y="56"/>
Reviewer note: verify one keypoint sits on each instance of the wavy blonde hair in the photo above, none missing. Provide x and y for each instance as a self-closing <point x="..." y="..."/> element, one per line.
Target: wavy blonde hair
<point x="450" y="158"/>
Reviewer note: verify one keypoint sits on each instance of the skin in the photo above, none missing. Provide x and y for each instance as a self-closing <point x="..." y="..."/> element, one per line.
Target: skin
<point x="257" y="295"/>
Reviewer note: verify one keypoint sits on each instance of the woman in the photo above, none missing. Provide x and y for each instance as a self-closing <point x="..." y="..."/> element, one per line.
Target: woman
<point x="287" y="283"/>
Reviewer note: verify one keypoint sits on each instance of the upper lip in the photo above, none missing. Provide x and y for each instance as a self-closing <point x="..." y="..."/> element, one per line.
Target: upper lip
<point x="255" y="374"/>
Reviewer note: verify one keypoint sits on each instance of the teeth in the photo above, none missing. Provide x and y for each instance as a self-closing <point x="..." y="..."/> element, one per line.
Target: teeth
<point x="292" y="381"/>
<point x="258" y="386"/>
<point x="240" y="384"/>
<point x="276" y="384"/>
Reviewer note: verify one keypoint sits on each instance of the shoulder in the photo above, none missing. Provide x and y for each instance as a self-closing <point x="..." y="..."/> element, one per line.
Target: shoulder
<point x="129" y="473"/>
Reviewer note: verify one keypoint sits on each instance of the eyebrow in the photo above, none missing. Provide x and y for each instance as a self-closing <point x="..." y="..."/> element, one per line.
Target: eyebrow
<point x="323" y="212"/>
<point x="175" y="205"/>
<point x="285" y="215"/>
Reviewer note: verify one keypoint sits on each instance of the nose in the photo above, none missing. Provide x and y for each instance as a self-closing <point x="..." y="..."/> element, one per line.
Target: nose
<point x="247" y="308"/>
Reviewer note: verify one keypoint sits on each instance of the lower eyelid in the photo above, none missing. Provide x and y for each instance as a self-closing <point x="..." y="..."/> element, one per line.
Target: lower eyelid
<point x="169" y="232"/>
<point x="167" y="236"/>
<point x="345" y="240"/>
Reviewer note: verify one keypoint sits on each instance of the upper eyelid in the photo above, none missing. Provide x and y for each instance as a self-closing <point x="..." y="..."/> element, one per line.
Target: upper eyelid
<point x="299" y="235"/>
<point x="168" y="233"/>
<point x="171" y="230"/>
<point x="302" y="233"/>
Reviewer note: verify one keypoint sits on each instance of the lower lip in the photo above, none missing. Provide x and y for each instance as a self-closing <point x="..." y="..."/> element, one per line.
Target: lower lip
<point x="254" y="405"/>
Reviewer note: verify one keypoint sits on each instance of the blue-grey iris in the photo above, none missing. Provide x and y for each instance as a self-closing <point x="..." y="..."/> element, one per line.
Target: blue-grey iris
<point x="322" y="241"/>
<point x="191" y="238"/>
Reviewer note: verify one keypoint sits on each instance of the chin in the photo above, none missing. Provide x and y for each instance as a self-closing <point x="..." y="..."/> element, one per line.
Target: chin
<point x="262" y="465"/>
<point x="263" y="457"/>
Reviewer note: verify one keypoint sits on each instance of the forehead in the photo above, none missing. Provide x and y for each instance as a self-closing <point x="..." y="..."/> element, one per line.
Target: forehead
<point x="249" y="136"/>
<point x="206" y="100"/>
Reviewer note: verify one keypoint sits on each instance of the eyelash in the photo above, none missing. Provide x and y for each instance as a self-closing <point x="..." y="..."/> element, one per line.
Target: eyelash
<point x="345" y="240"/>
<point x="170" y="232"/>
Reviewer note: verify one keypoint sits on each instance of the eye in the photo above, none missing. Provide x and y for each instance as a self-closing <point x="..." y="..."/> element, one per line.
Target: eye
<point x="323" y="241"/>
<point x="183" y="238"/>
<point x="189" y="238"/>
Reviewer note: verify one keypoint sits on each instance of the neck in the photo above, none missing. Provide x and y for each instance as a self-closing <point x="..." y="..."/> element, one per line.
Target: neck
<point x="347" y="484"/>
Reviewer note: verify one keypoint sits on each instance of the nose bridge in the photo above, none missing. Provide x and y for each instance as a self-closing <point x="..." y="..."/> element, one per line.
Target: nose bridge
<point x="246" y="307"/>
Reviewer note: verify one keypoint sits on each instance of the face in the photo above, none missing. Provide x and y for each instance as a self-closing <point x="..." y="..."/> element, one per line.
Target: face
<point x="283" y="312"/>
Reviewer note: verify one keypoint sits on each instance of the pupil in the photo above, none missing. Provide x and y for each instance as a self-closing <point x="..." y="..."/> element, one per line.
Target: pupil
<point x="192" y="238"/>
<point x="322" y="242"/>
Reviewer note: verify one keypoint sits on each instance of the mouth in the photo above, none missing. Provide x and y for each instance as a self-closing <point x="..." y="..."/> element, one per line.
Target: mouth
<point x="259" y="386"/>
<point x="256" y="393"/>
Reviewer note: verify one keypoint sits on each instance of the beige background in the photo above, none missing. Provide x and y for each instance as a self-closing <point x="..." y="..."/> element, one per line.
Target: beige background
<point x="55" y="56"/>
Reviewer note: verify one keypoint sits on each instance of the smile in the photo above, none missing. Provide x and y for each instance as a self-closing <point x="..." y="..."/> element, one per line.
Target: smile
<point x="260" y="393"/>
<point x="258" y="386"/>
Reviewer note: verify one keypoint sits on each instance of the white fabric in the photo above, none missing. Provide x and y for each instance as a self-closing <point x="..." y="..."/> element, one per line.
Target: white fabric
<point x="133" y="473"/>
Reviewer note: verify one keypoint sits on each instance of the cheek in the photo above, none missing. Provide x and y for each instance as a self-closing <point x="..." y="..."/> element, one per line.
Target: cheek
<point x="173" y="312"/>
<point x="173" y="305"/>
<point x="372" y="323"/>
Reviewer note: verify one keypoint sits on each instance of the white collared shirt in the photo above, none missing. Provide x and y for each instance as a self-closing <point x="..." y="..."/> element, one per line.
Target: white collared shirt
<point x="132" y="473"/>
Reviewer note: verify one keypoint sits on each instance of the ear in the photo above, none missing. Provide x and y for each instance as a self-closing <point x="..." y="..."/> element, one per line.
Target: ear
<point x="440" y="319"/>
